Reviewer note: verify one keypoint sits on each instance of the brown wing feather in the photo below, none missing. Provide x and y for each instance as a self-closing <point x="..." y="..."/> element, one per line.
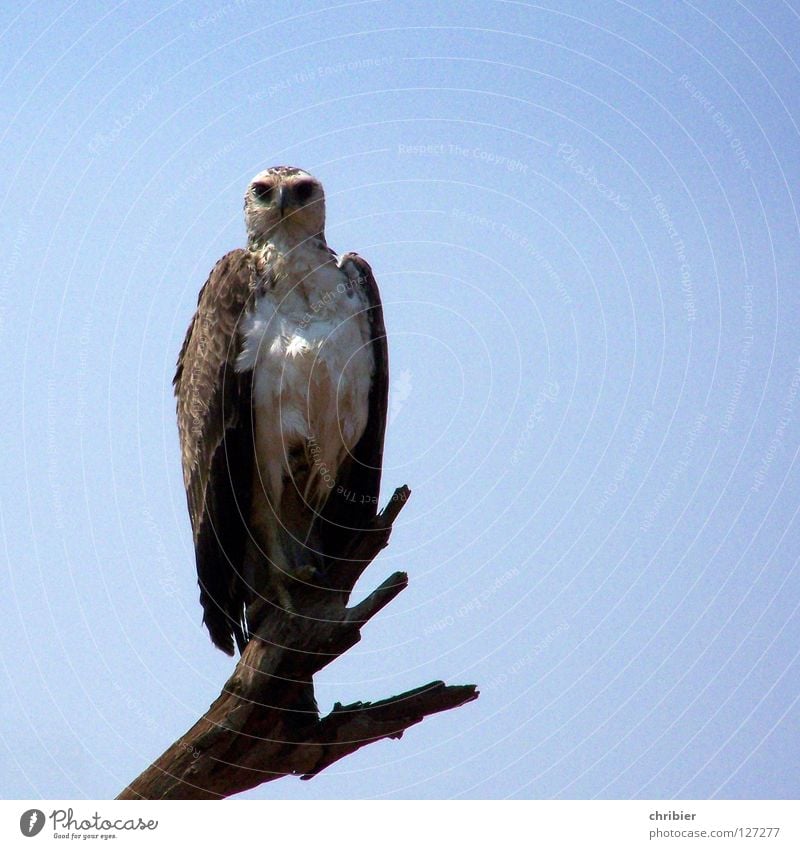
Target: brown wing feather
<point x="353" y="502"/>
<point x="215" y="427"/>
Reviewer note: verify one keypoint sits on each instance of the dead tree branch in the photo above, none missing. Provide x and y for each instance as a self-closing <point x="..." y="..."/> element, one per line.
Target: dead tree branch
<point x="265" y="724"/>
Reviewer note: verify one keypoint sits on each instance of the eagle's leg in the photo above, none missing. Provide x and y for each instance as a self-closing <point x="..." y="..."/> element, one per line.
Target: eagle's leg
<point x="265" y="571"/>
<point x="298" y="515"/>
<point x="285" y="559"/>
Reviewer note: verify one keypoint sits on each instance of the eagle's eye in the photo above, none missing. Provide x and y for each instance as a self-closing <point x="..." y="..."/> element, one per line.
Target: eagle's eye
<point x="262" y="192"/>
<point x="303" y="191"/>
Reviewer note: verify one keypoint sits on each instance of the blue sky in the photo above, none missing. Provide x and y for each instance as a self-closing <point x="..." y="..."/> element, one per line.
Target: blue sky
<point x="583" y="219"/>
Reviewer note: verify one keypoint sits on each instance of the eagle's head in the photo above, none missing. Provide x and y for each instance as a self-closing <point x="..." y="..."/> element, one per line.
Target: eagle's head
<point x="284" y="203"/>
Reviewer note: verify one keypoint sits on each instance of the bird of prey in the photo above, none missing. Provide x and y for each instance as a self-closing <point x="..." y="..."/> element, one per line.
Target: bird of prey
<point x="281" y="389"/>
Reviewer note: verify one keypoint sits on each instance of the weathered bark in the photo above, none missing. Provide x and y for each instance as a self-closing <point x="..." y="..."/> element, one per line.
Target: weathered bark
<point x="265" y="723"/>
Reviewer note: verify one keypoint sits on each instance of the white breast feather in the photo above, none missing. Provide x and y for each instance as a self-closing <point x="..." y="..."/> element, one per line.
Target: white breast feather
<point x="307" y="342"/>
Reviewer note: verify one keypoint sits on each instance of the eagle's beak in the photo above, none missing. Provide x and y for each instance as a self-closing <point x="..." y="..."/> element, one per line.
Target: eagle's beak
<point x="283" y="197"/>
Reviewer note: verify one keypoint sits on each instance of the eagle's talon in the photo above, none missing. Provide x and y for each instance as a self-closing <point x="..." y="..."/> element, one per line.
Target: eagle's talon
<point x="284" y="600"/>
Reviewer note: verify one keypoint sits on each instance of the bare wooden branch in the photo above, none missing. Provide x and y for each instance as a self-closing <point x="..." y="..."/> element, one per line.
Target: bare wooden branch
<point x="265" y="723"/>
<point x="378" y="599"/>
<point x="347" y="728"/>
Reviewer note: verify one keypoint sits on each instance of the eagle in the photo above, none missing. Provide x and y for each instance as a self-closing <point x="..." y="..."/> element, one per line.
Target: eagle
<point x="281" y="388"/>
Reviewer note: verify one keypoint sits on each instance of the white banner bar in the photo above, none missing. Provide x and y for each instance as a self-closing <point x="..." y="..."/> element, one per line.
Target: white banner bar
<point x="349" y="824"/>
